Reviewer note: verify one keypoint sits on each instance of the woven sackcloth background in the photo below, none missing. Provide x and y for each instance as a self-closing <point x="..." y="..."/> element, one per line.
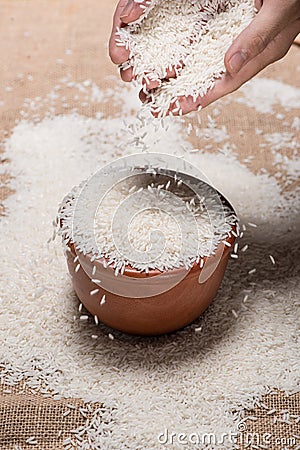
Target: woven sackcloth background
<point x="42" y="41"/>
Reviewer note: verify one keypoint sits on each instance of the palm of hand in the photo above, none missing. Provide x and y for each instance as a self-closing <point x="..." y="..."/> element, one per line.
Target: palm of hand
<point x="251" y="48"/>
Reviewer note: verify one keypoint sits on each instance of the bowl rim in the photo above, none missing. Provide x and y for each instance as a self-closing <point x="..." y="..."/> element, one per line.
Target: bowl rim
<point x="135" y="273"/>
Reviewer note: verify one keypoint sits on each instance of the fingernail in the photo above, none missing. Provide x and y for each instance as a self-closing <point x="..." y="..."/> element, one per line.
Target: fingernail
<point x="237" y="61"/>
<point x="127" y="10"/>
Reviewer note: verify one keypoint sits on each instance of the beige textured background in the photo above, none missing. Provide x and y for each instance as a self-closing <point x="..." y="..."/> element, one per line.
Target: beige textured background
<point x="35" y="39"/>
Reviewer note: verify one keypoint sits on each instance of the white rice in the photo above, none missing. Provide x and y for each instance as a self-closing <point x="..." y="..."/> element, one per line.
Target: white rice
<point x="188" y="381"/>
<point x="272" y="259"/>
<point x="94" y="292"/>
<point x="189" y="35"/>
<point x="172" y="211"/>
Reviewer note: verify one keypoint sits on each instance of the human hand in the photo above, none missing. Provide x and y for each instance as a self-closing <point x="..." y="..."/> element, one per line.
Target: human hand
<point x="266" y="40"/>
<point x="127" y="11"/>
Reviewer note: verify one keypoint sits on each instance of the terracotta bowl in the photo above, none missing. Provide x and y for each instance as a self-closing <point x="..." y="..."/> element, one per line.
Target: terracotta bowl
<point x="166" y="312"/>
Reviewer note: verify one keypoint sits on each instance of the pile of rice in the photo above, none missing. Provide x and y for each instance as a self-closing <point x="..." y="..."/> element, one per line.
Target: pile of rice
<point x="190" y="381"/>
<point x="147" y="221"/>
<point x="191" y="36"/>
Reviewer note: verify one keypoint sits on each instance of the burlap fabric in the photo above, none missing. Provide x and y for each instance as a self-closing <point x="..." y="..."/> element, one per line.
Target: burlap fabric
<point x="25" y="415"/>
<point x="41" y="42"/>
<point x="266" y="430"/>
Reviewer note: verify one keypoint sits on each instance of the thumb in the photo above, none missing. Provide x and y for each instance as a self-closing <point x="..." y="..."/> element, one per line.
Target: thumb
<point x="254" y="39"/>
<point x="133" y="10"/>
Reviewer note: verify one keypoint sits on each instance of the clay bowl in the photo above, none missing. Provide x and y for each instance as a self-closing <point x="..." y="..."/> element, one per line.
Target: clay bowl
<point x="155" y="314"/>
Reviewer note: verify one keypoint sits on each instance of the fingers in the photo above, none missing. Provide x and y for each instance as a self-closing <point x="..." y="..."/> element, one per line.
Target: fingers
<point x="270" y="21"/>
<point x="151" y="84"/>
<point x="143" y="97"/>
<point x="127" y="75"/>
<point x="229" y="83"/>
<point x="258" y="4"/>
<point x="126" y="11"/>
<point x="171" y="72"/>
<point x="129" y="11"/>
<point x="276" y="50"/>
<point x="133" y="10"/>
<point x="118" y="54"/>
